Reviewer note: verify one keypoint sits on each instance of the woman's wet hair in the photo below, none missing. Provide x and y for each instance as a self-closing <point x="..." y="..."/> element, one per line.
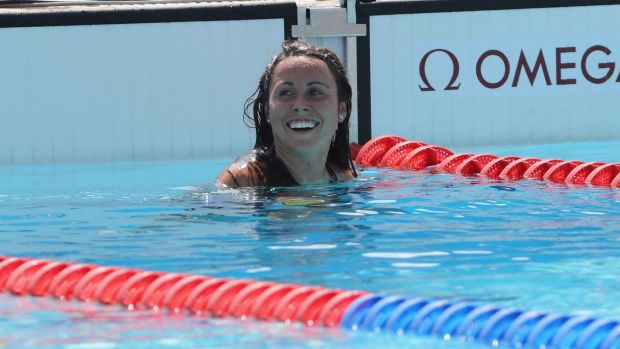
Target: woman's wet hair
<point x="339" y="153"/>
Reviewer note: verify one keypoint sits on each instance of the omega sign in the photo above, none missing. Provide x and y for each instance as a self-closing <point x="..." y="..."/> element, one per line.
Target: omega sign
<point x="529" y="70"/>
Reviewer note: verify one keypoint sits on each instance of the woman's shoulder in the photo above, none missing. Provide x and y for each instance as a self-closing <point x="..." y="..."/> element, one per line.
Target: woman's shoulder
<point x="245" y="171"/>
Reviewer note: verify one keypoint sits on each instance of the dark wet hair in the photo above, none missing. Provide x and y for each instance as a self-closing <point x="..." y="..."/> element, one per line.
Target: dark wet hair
<point x="339" y="153"/>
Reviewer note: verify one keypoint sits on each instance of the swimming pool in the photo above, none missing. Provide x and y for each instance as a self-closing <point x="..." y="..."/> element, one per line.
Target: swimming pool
<point x="527" y="244"/>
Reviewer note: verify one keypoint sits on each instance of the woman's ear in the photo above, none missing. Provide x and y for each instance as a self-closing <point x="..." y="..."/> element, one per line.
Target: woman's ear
<point x="342" y="112"/>
<point x="266" y="111"/>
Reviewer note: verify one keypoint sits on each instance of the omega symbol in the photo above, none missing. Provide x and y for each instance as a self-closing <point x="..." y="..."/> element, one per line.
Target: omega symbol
<point x="455" y="71"/>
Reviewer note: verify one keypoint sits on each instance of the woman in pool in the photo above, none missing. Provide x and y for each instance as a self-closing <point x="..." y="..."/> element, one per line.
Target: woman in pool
<point x="300" y="112"/>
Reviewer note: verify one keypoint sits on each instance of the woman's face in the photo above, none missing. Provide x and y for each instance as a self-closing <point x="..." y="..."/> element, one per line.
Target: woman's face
<point x="303" y="105"/>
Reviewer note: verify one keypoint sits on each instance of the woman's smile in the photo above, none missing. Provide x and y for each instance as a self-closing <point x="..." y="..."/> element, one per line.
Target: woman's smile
<point x="302" y="125"/>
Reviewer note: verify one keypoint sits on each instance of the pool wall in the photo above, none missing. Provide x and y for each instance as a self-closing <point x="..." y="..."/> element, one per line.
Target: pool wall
<point x="475" y="73"/>
<point x="109" y="82"/>
<point x="124" y="82"/>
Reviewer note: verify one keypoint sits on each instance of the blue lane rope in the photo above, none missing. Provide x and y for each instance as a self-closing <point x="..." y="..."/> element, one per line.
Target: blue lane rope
<point x="517" y="332"/>
<point x="612" y="340"/>
<point x="595" y="333"/>
<point x="378" y="314"/>
<point x="356" y="312"/>
<point x="497" y="324"/>
<point x="568" y="333"/>
<point x="543" y="331"/>
<point x="426" y="317"/>
<point x="448" y="322"/>
<point x="488" y="324"/>
<point x="403" y="314"/>
<point x="472" y="323"/>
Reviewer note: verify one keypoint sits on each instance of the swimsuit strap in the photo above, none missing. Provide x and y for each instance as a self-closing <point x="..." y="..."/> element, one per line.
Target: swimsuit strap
<point x="332" y="174"/>
<point x="233" y="178"/>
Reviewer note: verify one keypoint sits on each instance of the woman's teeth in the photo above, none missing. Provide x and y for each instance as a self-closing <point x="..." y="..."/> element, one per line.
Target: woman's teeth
<point x="302" y="124"/>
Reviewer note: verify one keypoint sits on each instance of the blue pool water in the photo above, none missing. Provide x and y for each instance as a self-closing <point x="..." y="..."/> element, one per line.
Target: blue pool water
<point x="527" y="244"/>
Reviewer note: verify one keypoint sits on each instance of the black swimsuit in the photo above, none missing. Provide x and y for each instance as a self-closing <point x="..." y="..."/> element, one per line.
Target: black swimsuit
<point x="277" y="174"/>
<point x="269" y="171"/>
<point x="333" y="177"/>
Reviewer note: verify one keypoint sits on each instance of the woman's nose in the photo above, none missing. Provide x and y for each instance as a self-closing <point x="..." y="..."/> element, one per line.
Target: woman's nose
<point x="301" y="104"/>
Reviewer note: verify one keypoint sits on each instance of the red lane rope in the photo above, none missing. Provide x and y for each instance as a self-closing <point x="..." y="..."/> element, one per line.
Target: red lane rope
<point x="474" y="164"/>
<point x="425" y="156"/>
<point x="516" y="169"/>
<point x="265" y="305"/>
<point x="19" y="281"/>
<point x="579" y="174"/>
<point x="337" y="306"/>
<point x="371" y="153"/>
<point x="155" y="293"/>
<point x="132" y="288"/>
<point x="289" y="304"/>
<point x="538" y="169"/>
<point x="496" y="166"/>
<point x="558" y="172"/>
<point x="399" y="153"/>
<point x="453" y="161"/>
<point x="604" y="175"/>
<point x="310" y="310"/>
<point x="63" y="283"/>
<point x="244" y="301"/>
<point x="107" y="290"/>
<point x="177" y="294"/>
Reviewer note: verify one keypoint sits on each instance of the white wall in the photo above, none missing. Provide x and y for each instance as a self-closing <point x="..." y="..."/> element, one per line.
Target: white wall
<point x="476" y="115"/>
<point x="158" y="91"/>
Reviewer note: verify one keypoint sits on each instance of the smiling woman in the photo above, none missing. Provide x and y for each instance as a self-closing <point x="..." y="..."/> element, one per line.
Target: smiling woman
<point x="300" y="112"/>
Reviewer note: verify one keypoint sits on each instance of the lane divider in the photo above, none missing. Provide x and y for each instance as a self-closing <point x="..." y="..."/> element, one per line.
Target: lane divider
<point x="140" y="289"/>
<point x="398" y="153"/>
<point x="309" y="305"/>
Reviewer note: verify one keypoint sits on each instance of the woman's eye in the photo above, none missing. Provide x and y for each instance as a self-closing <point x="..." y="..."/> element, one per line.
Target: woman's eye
<point x="315" y="92"/>
<point x="285" y="93"/>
